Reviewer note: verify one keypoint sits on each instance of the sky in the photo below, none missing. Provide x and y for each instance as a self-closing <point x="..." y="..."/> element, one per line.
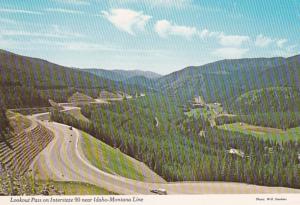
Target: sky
<point x="155" y="35"/>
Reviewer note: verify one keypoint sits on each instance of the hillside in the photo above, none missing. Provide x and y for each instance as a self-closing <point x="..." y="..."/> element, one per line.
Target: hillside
<point x="274" y="99"/>
<point x="30" y="82"/>
<point x="33" y="72"/>
<point x="225" y="80"/>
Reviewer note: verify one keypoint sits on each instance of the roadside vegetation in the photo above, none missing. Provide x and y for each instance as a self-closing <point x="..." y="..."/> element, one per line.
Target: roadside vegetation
<point x="5" y="127"/>
<point x="77" y="188"/>
<point x="18" y="122"/>
<point x="76" y="113"/>
<point x="109" y="159"/>
<point x="12" y="183"/>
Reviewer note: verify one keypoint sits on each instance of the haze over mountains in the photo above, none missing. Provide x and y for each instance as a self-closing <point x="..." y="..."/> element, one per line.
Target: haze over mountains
<point x="122" y="75"/>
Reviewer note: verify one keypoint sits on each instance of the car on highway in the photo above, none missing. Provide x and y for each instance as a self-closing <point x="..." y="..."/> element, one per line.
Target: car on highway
<point x="159" y="191"/>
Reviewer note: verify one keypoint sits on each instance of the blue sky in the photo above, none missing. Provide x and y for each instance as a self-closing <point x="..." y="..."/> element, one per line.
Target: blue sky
<point x="157" y="35"/>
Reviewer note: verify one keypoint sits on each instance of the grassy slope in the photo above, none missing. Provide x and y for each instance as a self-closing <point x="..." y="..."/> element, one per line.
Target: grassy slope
<point x="264" y="132"/>
<point x="78" y="115"/>
<point x="18" y="122"/>
<point x="109" y="159"/>
<point x="78" y="188"/>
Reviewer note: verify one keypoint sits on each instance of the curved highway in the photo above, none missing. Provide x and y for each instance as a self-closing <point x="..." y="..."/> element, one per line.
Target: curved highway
<point x="63" y="160"/>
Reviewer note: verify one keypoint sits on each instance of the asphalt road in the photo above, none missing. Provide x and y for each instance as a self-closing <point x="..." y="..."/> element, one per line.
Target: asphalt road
<point x="63" y="160"/>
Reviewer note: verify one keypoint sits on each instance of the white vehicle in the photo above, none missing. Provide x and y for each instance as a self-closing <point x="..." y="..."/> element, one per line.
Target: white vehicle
<point x="159" y="191"/>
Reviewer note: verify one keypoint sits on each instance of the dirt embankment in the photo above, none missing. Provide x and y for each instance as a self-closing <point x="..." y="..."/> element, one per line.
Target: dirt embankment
<point x="18" y="152"/>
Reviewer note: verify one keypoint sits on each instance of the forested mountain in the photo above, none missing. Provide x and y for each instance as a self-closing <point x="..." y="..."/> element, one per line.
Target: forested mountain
<point x="226" y="80"/>
<point x="29" y="82"/>
<point x="273" y="99"/>
<point x="33" y="72"/>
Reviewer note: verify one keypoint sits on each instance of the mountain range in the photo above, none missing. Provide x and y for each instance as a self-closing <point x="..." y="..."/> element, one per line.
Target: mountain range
<point x="222" y="81"/>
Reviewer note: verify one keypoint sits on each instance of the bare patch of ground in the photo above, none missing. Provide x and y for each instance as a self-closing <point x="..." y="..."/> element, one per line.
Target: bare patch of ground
<point x="260" y="129"/>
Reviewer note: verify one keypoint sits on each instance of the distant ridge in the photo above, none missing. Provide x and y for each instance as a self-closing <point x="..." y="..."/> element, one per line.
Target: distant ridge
<point x="122" y="75"/>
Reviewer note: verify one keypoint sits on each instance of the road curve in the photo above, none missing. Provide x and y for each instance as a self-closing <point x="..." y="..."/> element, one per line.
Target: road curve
<point x="63" y="160"/>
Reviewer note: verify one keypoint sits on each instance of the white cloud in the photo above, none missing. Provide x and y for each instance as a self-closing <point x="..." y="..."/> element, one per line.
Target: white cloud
<point x="25" y="33"/>
<point x="7" y="21"/>
<point x="230" y="52"/>
<point x="76" y="2"/>
<point x="64" y="33"/>
<point x="19" y="11"/>
<point x="81" y="46"/>
<point x="53" y="32"/>
<point x="205" y="33"/>
<point x="263" y="41"/>
<point x="127" y="20"/>
<point x="154" y="3"/>
<point x="86" y="46"/>
<point x="174" y="3"/>
<point x="65" y="11"/>
<point x="280" y="43"/>
<point x="165" y="28"/>
<point x="7" y="43"/>
<point x="232" y="40"/>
